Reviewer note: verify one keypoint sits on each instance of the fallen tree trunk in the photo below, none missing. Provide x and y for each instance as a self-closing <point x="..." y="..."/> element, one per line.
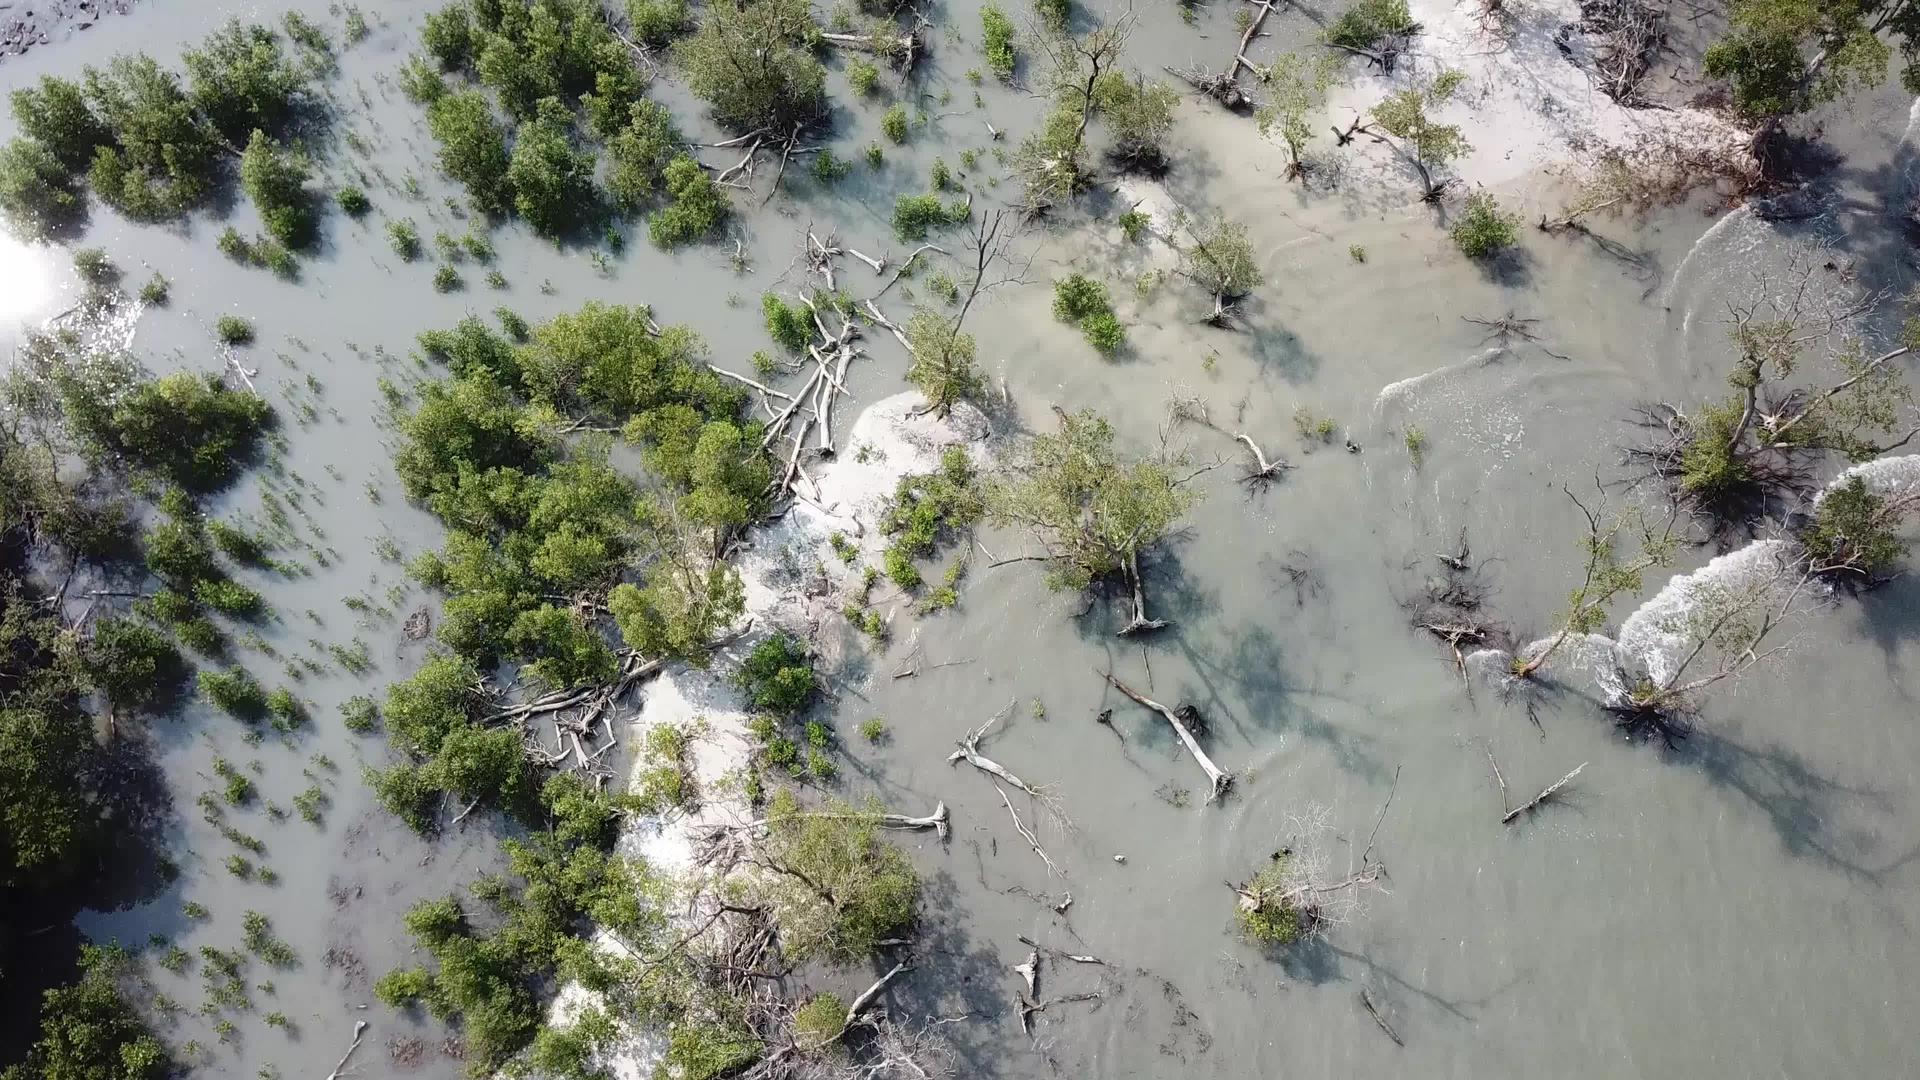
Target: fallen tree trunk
<point x="1547" y="793"/>
<point x="969" y="752"/>
<point x="359" y="1031"/>
<point x="1219" y="779"/>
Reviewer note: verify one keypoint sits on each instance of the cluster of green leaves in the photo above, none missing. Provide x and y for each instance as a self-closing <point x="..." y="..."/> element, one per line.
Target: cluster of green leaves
<point x="1139" y="117"/>
<point x="1710" y="469"/>
<point x="696" y="210"/>
<point x="148" y="143"/>
<point x="665" y="778"/>
<point x="532" y="518"/>
<point x="1369" y="22"/>
<point x="275" y="178"/>
<point x="73" y="426"/>
<point x="753" y="65"/>
<point x="777" y="675"/>
<point x="789" y="324"/>
<point x="1266" y="914"/>
<point x="1855" y="531"/>
<point x="926" y="509"/>
<point x="863" y="77"/>
<point x="1296" y="88"/>
<point x="181" y="551"/>
<point x="916" y="215"/>
<point x="1424" y="142"/>
<point x="490" y="974"/>
<point x="1051" y="162"/>
<point x="1220" y="259"/>
<point x="1095" y="510"/>
<point x="944" y="366"/>
<point x="838" y="889"/>
<point x="1787" y="56"/>
<point x="1483" y="230"/>
<point x="91" y="1031"/>
<point x="567" y="89"/>
<point x="1083" y="302"/>
<point x="185" y="429"/>
<point x="997" y="41"/>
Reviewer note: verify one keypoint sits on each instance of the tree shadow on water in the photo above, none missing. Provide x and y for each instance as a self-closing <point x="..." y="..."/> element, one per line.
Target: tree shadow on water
<point x="1800" y="803"/>
<point x="954" y="974"/>
<point x="1247" y="663"/>
<point x="1890" y="616"/>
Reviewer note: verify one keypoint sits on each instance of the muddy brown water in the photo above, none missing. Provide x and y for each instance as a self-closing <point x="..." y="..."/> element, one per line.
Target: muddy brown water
<point x="1739" y="904"/>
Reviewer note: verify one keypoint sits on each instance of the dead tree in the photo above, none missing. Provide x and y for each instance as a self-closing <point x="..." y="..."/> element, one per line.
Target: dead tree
<point x="1626" y="37"/>
<point x="886" y="40"/>
<point x="1224" y="86"/>
<point x="1450" y="606"/>
<point x="1295" y="897"/>
<point x="1184" y="720"/>
<point x="1546" y="794"/>
<point x="1261" y="472"/>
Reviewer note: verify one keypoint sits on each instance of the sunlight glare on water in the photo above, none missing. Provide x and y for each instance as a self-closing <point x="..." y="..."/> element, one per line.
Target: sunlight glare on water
<point x="29" y="282"/>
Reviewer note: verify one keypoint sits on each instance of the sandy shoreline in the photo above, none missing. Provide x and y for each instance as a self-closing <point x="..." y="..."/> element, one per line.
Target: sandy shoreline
<point x="782" y="566"/>
<point x="1529" y="110"/>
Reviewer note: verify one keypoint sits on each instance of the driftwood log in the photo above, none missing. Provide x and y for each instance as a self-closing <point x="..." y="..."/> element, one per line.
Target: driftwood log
<point x="1218" y="779"/>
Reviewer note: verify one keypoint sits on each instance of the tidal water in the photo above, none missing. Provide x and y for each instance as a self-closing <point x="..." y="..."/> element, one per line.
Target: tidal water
<point x="1740" y="903"/>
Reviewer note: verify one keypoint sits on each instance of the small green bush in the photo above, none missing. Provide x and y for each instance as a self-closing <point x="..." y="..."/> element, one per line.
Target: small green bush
<point x="916" y="215"/>
<point x="1265" y="915"/>
<point x="1054" y="14"/>
<point x="829" y="167"/>
<point x="1482" y="231"/>
<point x="1852" y="532"/>
<point x="233" y="330"/>
<point x="1104" y="332"/>
<point x="1134" y="225"/>
<point x="360" y="713"/>
<point x="863" y="77"/>
<point x="235" y="693"/>
<point x="997" y="41"/>
<point x="819" y="1020"/>
<point x="893" y="124"/>
<point x="1368" y="21"/>
<point x="778" y="674"/>
<point x="1077" y="296"/>
<point x="446" y="279"/>
<point x="789" y="324"/>
<point x="873" y="730"/>
<point x="697" y="209"/>
<point x="405" y="239"/>
<point x="156" y="291"/>
<point x="1080" y="300"/>
<point x="94" y="267"/>
<point x="229" y="597"/>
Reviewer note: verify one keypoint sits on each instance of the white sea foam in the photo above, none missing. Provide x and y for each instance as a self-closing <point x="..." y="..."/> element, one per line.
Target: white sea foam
<point x="1889" y="478"/>
<point x="1654" y="641"/>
